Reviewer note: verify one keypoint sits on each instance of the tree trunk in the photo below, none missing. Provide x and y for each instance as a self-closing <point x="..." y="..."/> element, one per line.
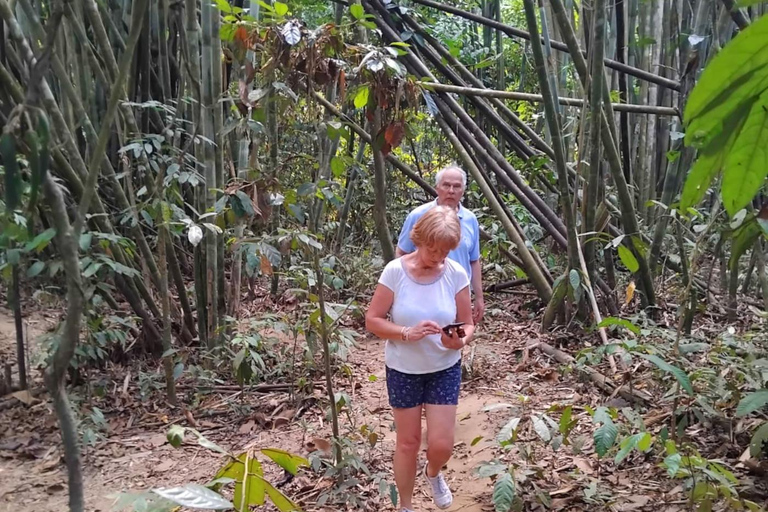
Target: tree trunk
<point x="380" y="190"/>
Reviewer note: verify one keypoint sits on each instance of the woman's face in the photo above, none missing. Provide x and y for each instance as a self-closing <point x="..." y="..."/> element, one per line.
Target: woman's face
<point x="433" y="255"/>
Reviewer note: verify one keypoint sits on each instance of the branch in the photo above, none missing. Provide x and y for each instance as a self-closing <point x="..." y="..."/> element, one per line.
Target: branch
<point x="558" y="45"/>
<point x="538" y="98"/>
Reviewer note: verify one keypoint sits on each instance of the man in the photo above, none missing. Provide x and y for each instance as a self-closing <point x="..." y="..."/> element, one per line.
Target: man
<point x="451" y="183"/>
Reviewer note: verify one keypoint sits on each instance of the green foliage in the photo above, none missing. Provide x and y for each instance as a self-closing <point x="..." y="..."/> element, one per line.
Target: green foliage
<point x="726" y="117"/>
<point x="504" y="493"/>
<point x="605" y="435"/>
<point x="680" y="375"/>
<point x="244" y="470"/>
<point x="752" y="402"/>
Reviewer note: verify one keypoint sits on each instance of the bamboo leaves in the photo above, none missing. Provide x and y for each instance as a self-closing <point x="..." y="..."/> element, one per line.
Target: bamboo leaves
<point x="727" y="119"/>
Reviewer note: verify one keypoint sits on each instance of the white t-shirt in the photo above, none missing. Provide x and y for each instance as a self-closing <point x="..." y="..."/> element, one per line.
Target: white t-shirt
<point x="415" y="302"/>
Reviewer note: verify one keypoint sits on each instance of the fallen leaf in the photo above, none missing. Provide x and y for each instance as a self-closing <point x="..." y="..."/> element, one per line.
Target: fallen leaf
<point x="246" y="427"/>
<point x="635" y="503"/>
<point x="583" y="465"/>
<point x="24" y="396"/>
<point x="165" y="466"/>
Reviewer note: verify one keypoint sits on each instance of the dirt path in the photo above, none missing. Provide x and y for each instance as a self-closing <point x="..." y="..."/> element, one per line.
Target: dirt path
<point x="133" y="454"/>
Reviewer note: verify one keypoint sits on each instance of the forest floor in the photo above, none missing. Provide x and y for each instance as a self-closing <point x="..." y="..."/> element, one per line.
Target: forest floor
<point x="503" y="379"/>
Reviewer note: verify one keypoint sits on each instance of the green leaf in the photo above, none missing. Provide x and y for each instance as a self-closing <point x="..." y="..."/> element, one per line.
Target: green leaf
<point x="41" y="241"/>
<point x="507" y="431"/>
<point x="628" y="259"/>
<point x="194" y="496"/>
<point x="748" y="3"/>
<point x="223" y="6"/>
<point x="476" y="440"/>
<point x="85" y="241"/>
<point x="338" y="167"/>
<point x="281" y="501"/>
<point x="752" y="402"/>
<point x="35" y="268"/>
<point x="286" y="460"/>
<point x="744" y="57"/>
<point x="175" y="435"/>
<point x="281" y="9"/>
<point x="575" y="279"/>
<point x="672" y="462"/>
<point x="708" y="165"/>
<point x="645" y="442"/>
<point x="746" y="165"/>
<point x="541" y="428"/>
<point x="612" y="320"/>
<point x="357" y="11"/>
<point x="361" y="98"/>
<point x="759" y="440"/>
<point x="605" y="437"/>
<point x="629" y="444"/>
<point x="680" y="375"/>
<point x="504" y="493"/>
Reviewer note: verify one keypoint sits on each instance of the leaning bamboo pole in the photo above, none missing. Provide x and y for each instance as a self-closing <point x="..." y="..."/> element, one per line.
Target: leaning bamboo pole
<point x="538" y="98"/>
<point x="558" y="45"/>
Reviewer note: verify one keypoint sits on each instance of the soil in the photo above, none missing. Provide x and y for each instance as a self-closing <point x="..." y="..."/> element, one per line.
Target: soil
<point x="502" y="380"/>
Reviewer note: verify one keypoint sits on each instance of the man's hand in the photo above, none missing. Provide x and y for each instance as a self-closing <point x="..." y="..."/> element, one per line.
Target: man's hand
<point x="478" y="310"/>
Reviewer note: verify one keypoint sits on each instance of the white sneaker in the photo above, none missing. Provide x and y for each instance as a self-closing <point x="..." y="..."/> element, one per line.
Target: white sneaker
<point x="441" y="494"/>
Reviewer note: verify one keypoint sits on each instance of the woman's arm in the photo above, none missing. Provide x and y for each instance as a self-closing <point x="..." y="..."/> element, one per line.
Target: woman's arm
<point x="376" y="317"/>
<point x="463" y="314"/>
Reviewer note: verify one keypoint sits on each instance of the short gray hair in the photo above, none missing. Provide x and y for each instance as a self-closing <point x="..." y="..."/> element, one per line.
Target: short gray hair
<point x="452" y="167"/>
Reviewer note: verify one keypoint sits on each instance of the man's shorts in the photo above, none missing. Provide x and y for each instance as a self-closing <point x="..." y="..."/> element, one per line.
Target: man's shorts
<point x="408" y="390"/>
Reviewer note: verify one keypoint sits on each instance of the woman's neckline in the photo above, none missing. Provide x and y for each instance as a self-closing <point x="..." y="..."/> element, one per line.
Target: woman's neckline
<point x="408" y="274"/>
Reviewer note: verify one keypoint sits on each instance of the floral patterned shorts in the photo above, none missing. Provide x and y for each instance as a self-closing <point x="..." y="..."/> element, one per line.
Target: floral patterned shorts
<point x="408" y="390"/>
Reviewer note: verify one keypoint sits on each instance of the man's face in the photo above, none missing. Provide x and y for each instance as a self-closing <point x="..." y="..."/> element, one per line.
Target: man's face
<point x="450" y="189"/>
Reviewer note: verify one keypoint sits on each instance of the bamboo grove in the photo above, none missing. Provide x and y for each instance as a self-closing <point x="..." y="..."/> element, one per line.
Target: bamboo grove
<point x="158" y="144"/>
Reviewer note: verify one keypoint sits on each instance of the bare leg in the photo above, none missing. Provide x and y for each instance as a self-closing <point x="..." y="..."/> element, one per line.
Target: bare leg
<point x="441" y="425"/>
<point x="408" y="426"/>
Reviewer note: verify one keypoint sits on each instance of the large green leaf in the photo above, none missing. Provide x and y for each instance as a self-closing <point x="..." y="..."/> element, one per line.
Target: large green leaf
<point x="194" y="496"/>
<point x="746" y="55"/>
<point x="281" y="501"/>
<point x="680" y="375"/>
<point x="628" y="259"/>
<point x="641" y="441"/>
<point x="504" y="493"/>
<point x="746" y="165"/>
<point x="752" y="402"/>
<point x="759" y="439"/>
<point x="612" y="320"/>
<point x="709" y="163"/>
<point x="720" y="118"/>
<point x="286" y="460"/>
<point x="604" y="437"/>
<point x="508" y="431"/>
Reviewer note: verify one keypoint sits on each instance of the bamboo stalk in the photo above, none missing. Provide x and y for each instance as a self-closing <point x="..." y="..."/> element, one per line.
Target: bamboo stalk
<point x="537" y="98"/>
<point x="515" y="32"/>
<point x="531" y="268"/>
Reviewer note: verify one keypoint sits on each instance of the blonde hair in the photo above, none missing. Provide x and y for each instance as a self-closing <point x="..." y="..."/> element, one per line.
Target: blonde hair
<point x="440" y="226"/>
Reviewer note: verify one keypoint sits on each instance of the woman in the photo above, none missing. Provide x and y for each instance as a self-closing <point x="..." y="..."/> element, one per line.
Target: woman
<point x="421" y="293"/>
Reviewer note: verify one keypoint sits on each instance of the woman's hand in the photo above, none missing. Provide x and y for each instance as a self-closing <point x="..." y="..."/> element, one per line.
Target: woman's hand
<point x="453" y="341"/>
<point x="422" y="329"/>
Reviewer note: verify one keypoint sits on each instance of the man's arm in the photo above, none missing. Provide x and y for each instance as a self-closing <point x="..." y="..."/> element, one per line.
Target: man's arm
<point x="399" y="252"/>
<point x="477" y="287"/>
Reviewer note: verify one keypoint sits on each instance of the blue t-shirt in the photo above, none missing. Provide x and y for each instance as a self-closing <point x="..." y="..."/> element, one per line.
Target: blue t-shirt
<point x="469" y="246"/>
